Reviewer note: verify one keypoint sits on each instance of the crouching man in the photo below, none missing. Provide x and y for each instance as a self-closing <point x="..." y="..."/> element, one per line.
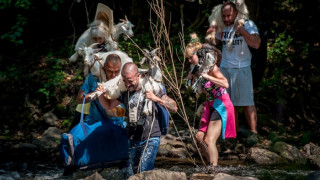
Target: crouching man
<point x="142" y="148"/>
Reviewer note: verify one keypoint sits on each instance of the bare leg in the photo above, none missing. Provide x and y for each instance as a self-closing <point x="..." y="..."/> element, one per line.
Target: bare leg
<point x="251" y="116"/>
<point x="202" y="144"/>
<point x="236" y="112"/>
<point x="212" y="135"/>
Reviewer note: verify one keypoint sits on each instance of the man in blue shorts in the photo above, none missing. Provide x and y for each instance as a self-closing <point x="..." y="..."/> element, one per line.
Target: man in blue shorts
<point x="236" y="61"/>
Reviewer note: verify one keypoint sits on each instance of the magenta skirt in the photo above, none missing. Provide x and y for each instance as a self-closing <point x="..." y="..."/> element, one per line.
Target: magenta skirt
<point x="225" y="108"/>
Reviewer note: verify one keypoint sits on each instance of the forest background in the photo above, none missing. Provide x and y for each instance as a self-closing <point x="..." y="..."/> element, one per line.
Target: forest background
<point x="37" y="38"/>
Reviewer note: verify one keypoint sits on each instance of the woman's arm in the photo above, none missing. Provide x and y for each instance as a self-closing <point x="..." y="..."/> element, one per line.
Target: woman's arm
<point x="216" y="76"/>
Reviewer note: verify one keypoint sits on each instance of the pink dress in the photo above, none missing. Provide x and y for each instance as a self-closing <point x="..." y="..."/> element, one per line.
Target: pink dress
<point x="219" y="99"/>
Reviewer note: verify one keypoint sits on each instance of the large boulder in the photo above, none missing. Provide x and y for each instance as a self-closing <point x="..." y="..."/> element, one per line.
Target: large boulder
<point x="219" y="176"/>
<point x="312" y="151"/>
<point x="159" y="174"/>
<point x="50" y="118"/>
<point x="49" y="139"/>
<point x="289" y="152"/>
<point x="265" y="157"/>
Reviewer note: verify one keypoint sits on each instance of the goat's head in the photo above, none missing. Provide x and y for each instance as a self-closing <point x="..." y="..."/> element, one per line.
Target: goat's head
<point x="126" y="27"/>
<point x="151" y="58"/>
<point x="238" y="2"/>
<point x="209" y="61"/>
<point x="89" y="53"/>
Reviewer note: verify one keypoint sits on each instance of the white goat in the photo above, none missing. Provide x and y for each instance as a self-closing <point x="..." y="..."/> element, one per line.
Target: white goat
<point x="125" y="28"/>
<point x="215" y="19"/>
<point x="86" y="38"/>
<point x="115" y="86"/>
<point x="147" y="81"/>
<point x="151" y="78"/>
<point x="208" y="63"/>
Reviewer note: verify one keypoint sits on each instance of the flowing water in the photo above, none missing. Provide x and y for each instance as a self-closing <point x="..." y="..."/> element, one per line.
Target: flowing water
<point x="37" y="171"/>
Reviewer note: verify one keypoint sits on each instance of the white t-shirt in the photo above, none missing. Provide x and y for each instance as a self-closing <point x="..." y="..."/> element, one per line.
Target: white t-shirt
<point x="240" y="55"/>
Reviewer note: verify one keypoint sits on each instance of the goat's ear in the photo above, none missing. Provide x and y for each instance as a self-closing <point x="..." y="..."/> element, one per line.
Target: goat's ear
<point x="143" y="60"/>
<point x="157" y="58"/>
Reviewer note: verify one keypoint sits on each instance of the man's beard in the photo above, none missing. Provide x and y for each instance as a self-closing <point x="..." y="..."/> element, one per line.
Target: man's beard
<point x="132" y="88"/>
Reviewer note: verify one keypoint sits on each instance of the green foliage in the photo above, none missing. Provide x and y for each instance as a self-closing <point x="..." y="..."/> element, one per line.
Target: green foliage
<point x="24" y="4"/>
<point x="52" y="78"/>
<point x="289" y="5"/>
<point x="14" y="35"/>
<point x="55" y="4"/>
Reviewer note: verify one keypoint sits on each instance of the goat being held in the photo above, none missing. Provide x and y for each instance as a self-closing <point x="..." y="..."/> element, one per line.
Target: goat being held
<point x="151" y="78"/>
<point x="115" y="86"/>
<point x="96" y="33"/>
<point x="216" y="21"/>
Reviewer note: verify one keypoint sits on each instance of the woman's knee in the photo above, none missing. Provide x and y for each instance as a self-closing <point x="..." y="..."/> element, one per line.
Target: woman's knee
<point x="199" y="136"/>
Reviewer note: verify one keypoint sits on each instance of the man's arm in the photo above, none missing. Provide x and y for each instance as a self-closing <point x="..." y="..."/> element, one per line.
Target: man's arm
<point x="80" y="97"/>
<point x="253" y="40"/>
<point x="165" y="101"/>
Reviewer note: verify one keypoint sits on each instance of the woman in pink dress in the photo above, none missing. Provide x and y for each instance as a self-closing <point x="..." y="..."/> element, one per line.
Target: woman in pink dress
<point x="218" y="113"/>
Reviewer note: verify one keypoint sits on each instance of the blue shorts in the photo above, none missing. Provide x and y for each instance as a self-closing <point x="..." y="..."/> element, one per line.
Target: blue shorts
<point x="240" y="85"/>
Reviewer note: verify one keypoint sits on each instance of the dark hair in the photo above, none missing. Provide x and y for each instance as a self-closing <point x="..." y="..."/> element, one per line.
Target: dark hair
<point x="113" y="59"/>
<point x="233" y="5"/>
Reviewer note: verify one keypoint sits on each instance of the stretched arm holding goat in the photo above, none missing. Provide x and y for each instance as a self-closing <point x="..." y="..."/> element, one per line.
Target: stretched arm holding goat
<point x="165" y="101"/>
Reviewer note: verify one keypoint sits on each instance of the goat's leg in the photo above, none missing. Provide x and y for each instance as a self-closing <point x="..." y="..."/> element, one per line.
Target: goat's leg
<point x="146" y="110"/>
<point x="86" y="70"/>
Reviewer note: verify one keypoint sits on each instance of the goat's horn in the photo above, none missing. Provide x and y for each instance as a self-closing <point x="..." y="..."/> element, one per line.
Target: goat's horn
<point x="155" y="50"/>
<point x="125" y="17"/>
<point x="94" y="44"/>
<point x="146" y="50"/>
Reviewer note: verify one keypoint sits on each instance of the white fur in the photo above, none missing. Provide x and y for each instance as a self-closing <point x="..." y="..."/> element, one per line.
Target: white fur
<point x="115" y="86"/>
<point x="215" y="19"/>
<point x="124" y="27"/>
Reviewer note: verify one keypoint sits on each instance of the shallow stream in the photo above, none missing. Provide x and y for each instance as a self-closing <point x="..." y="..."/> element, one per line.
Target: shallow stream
<point x="37" y="171"/>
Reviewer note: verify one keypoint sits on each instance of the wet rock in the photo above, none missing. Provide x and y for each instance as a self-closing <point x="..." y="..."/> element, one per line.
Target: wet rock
<point x="50" y="118"/>
<point x="159" y="174"/>
<point x="191" y="148"/>
<point x="164" y="150"/>
<point x="10" y="175"/>
<point x="175" y="143"/>
<point x="95" y="176"/>
<point x="25" y="146"/>
<point x="312" y="152"/>
<point x="178" y="152"/>
<point x="219" y="176"/>
<point x="314" y="160"/>
<point x="311" y="149"/>
<point x="265" y="157"/>
<point x="313" y="176"/>
<point x="289" y="152"/>
<point x="50" y="138"/>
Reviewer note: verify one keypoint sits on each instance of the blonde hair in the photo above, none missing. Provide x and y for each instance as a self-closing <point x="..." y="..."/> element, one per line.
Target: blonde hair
<point x="99" y="29"/>
<point x="193" y="46"/>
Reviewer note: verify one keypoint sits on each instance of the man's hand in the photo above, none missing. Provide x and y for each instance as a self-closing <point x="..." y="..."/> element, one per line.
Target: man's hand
<point x="101" y="88"/>
<point x="150" y="95"/>
<point x="212" y="29"/>
<point x="240" y="30"/>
